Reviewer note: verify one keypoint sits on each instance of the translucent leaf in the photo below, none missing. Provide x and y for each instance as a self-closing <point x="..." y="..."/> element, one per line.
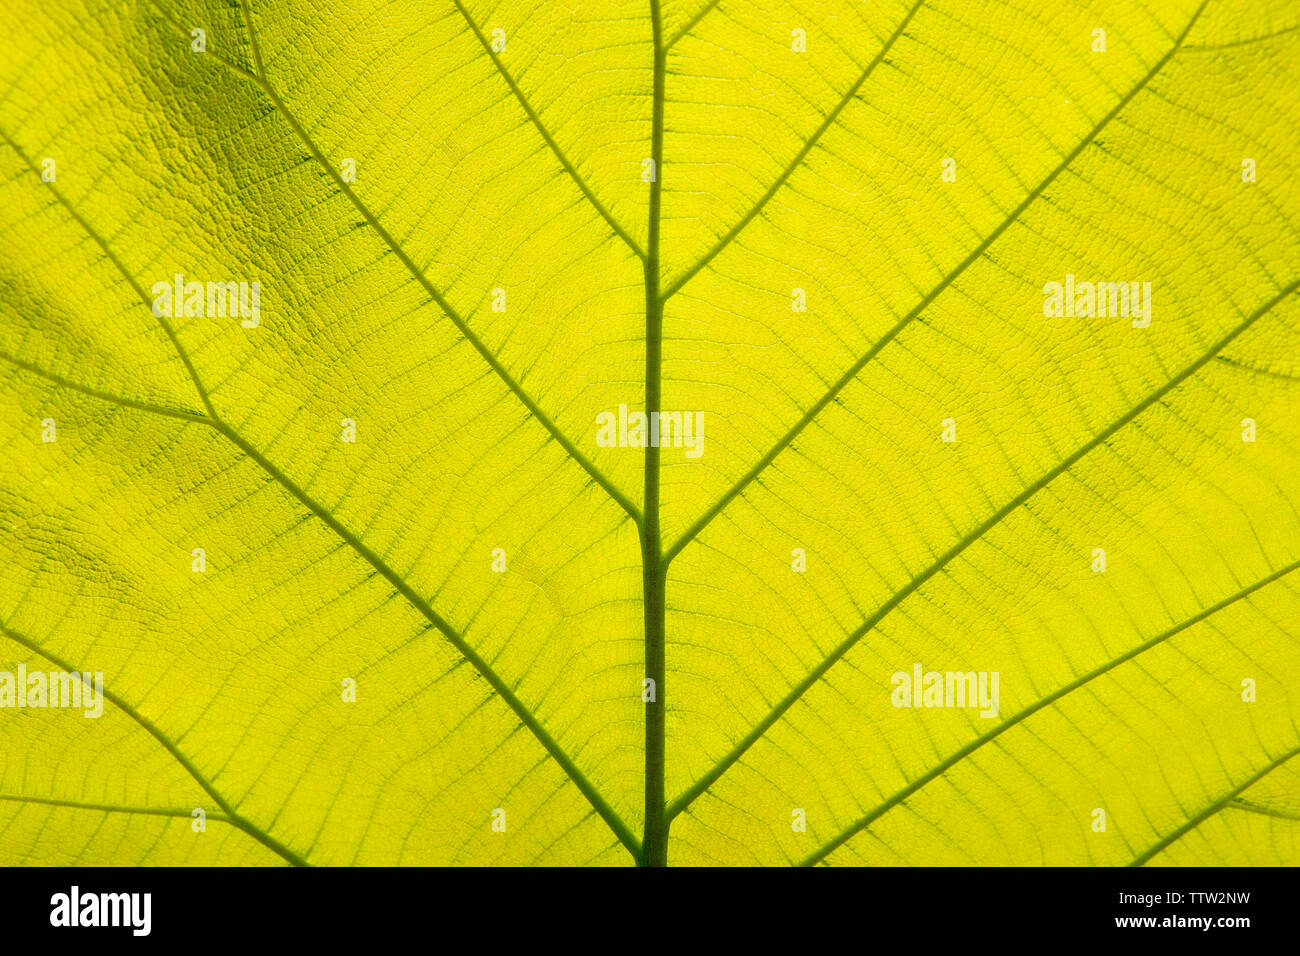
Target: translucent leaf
<point x="365" y="578"/>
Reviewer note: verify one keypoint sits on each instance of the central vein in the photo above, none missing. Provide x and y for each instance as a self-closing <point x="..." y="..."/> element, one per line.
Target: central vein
<point x="654" y="851"/>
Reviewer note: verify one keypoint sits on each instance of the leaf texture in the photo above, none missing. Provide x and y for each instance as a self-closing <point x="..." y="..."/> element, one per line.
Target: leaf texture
<point x="829" y="230"/>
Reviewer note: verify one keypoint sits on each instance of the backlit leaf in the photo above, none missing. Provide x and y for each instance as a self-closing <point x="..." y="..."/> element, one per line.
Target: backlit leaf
<point x="365" y="580"/>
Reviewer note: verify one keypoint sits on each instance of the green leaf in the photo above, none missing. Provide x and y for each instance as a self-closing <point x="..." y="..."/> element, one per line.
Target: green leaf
<point x="367" y="582"/>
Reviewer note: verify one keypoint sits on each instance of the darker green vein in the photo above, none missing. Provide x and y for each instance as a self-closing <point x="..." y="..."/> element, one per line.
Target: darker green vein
<point x="111" y="807"/>
<point x="107" y="396"/>
<point x="1251" y="807"/>
<point x="653" y="567"/>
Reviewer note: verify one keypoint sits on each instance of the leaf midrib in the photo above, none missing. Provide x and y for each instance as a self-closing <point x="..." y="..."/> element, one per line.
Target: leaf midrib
<point x="654" y="568"/>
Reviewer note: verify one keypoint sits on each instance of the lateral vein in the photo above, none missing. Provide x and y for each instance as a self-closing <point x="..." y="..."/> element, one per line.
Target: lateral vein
<point x="111" y="808"/>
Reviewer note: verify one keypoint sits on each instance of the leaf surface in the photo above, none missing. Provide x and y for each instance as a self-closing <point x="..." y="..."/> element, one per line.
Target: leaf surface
<point x="559" y="210"/>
